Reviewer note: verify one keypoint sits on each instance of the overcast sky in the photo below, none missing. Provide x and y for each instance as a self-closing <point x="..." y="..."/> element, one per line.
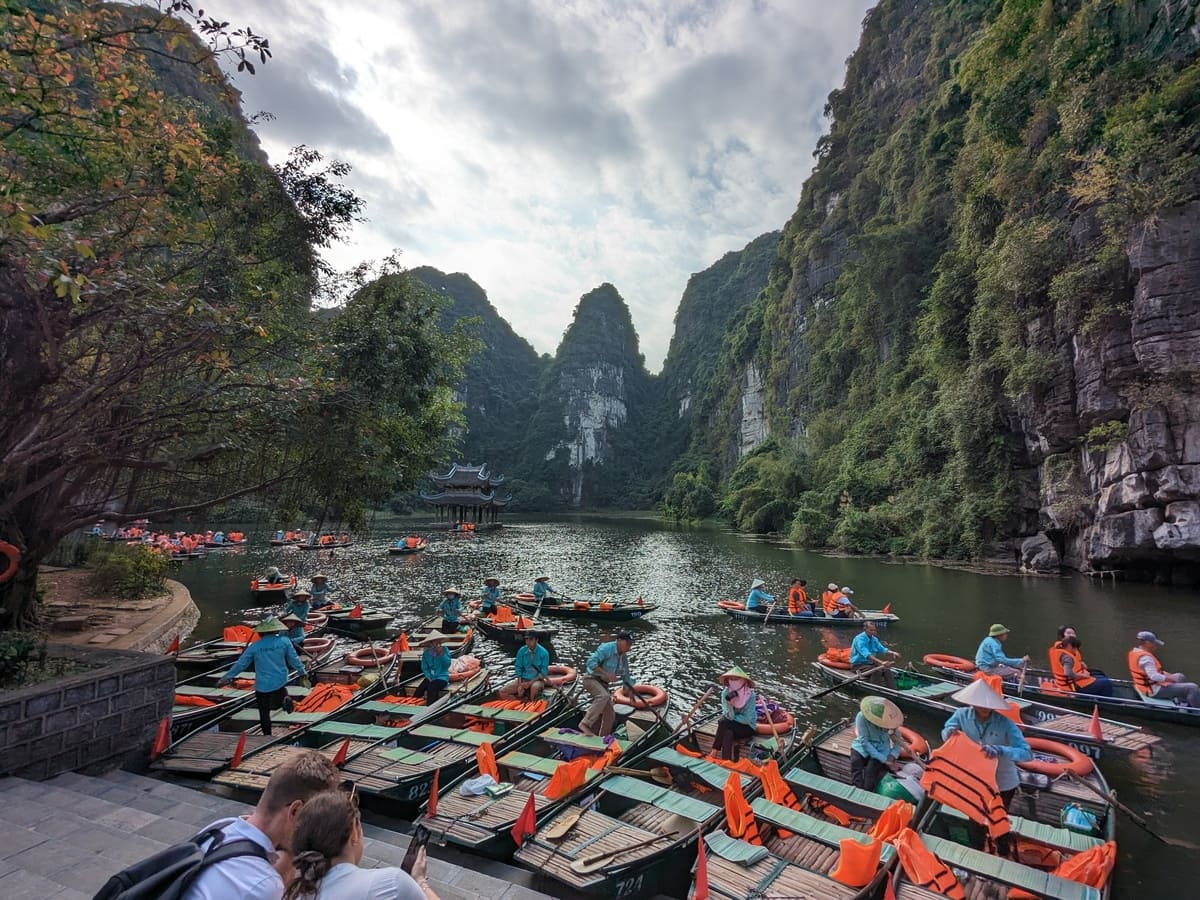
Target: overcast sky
<point x="546" y="146"/>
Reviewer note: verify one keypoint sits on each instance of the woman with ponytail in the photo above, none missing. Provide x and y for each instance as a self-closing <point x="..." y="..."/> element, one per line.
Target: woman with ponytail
<point x="328" y="846"/>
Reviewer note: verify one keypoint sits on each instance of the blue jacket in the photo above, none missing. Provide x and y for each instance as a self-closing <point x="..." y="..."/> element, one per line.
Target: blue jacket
<point x="320" y="595"/>
<point x="863" y="647"/>
<point x="299" y="608"/>
<point x="747" y="715"/>
<point x="271" y="656"/>
<point x="607" y="657"/>
<point x="541" y="588"/>
<point x="436" y="667"/>
<point x="451" y="608"/>
<point x="991" y="654"/>
<point x="999" y="732"/>
<point x="758" y="597"/>
<point x="489" y="595"/>
<point x="874" y="742"/>
<point x="532" y="665"/>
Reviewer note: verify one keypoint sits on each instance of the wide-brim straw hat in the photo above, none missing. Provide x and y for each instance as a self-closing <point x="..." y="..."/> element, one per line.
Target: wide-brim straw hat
<point x="452" y="590"/>
<point x="882" y="712"/>
<point x="270" y="625"/>
<point x="980" y="695"/>
<point x="997" y="630"/>
<point x="495" y="581"/>
<point x="301" y="594"/>
<point x="737" y="672"/>
<point x="292" y="620"/>
<point x="320" y="578"/>
<point x="434" y="639"/>
<point x="542" y="578"/>
<point x="757" y="582"/>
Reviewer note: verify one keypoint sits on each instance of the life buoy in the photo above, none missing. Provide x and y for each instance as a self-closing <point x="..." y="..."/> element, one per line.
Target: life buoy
<point x="942" y="661"/>
<point x="370" y="657"/>
<point x="318" y="619"/>
<point x="12" y="554"/>
<point x="827" y="660"/>
<point x="730" y="604"/>
<point x="919" y="746"/>
<point x="648" y="695"/>
<point x="780" y="727"/>
<point x="1075" y="762"/>
<point x="316" y="646"/>
<point x="560" y="675"/>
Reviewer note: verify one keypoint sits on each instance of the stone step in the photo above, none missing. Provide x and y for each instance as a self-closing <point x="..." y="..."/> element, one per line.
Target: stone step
<point x="61" y="839"/>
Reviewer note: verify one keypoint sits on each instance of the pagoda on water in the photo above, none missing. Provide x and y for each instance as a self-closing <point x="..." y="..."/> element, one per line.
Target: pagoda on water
<point x="467" y="494"/>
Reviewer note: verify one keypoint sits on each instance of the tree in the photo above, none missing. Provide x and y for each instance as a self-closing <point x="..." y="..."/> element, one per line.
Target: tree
<point x="156" y="351"/>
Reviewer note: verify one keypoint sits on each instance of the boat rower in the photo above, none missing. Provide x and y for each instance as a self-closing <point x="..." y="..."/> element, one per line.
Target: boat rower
<point x="739" y="713"/>
<point x="1149" y="678"/>
<point x="544" y="592"/>
<point x="321" y="590"/>
<point x="990" y="658"/>
<point x="435" y="666"/>
<point x="295" y="615"/>
<point x="274" y="576"/>
<point x="758" y="599"/>
<point x="271" y="656"/>
<point x="877" y="744"/>
<point x="608" y="665"/>
<point x="533" y="669"/>
<point x="489" y="596"/>
<point x="452" y="610"/>
<point x="867" y="652"/>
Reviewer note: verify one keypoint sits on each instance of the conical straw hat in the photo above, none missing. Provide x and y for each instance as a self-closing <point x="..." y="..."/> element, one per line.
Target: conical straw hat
<point x="737" y="672"/>
<point x="981" y="695"/>
<point x="882" y="712"/>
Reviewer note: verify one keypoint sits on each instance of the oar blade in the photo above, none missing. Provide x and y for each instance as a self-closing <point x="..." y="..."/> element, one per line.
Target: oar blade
<point x="563" y="824"/>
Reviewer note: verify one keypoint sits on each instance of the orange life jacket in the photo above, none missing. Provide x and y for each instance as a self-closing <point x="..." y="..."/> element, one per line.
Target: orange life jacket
<point x="1144" y="685"/>
<point x="797" y="600"/>
<point x="326" y="697"/>
<point x="961" y="776"/>
<point x="567" y="777"/>
<point x="410" y="542"/>
<point x="485" y="756"/>
<point x="996" y="683"/>
<point x="607" y="758"/>
<point x="239" y="634"/>
<point x="924" y="869"/>
<point x="1083" y="678"/>
<point x="777" y="790"/>
<point x="892" y="821"/>
<point x="857" y="863"/>
<point x="191" y="700"/>
<point x="829" y="601"/>
<point x="739" y="818"/>
<point x="1091" y="867"/>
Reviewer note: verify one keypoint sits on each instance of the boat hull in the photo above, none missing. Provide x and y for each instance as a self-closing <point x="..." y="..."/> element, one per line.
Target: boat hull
<point x="784" y="618"/>
<point x="626" y="613"/>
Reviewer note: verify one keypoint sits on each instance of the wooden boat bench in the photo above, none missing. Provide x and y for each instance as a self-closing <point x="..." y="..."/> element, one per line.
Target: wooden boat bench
<point x="406" y="756"/>
<point x="1050" y="835"/>
<point x="931" y="691"/>
<point x="278" y="715"/>
<point x="734" y="850"/>
<point x="202" y="691"/>
<point x="1008" y="872"/>
<point x="382" y="706"/>
<point x="837" y="792"/>
<point x="455" y="735"/>
<point x="538" y="765"/>
<point x="499" y="714"/>
<point x="709" y="772"/>
<point x="349" y="729"/>
<point x="588" y="742"/>
<point x="828" y="833"/>
<point x="660" y="797"/>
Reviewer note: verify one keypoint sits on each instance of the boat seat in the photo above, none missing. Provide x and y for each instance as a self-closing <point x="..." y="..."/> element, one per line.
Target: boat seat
<point x="734" y="850"/>
<point x="587" y="742"/>
<point x="660" y="797"/>
<point x="406" y="756"/>
<point x="1050" y="835"/>
<point x="492" y="712"/>
<point x="382" y="706"/>
<point x="837" y="791"/>
<point x="828" y="833"/>
<point x="278" y="715"/>
<point x="1011" y="873"/>
<point x="708" y="772"/>
<point x="349" y="729"/>
<point x="201" y="691"/>
<point x="1154" y="701"/>
<point x="527" y="762"/>
<point x="457" y="735"/>
<point x="931" y="691"/>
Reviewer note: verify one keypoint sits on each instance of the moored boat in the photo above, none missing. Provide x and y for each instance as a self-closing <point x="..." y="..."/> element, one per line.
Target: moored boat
<point x="261" y="586"/>
<point x="780" y="616"/>
<point x="356" y="620"/>
<point x="403" y="546"/>
<point x="510" y="629"/>
<point x="600" y="610"/>
<point x="1039" y="720"/>
<point x="1039" y="684"/>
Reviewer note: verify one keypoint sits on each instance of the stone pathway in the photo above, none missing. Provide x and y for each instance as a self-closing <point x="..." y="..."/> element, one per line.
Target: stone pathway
<point x="61" y="839"/>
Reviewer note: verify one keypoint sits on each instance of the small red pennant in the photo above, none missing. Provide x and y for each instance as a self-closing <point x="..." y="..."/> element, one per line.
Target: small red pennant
<point x="356" y="613"/>
<point x="174" y="648"/>
<point x="1094" y="728"/>
<point x="339" y="758"/>
<point x="237" y="753"/>
<point x="701" y="889"/>
<point x="431" y="806"/>
<point x="162" y="740"/>
<point x="526" y="824"/>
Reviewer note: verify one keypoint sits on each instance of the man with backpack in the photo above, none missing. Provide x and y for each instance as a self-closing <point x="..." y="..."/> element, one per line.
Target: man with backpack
<point x="234" y="858"/>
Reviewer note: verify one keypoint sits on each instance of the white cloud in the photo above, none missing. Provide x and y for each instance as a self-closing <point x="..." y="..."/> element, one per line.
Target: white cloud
<point x="544" y="147"/>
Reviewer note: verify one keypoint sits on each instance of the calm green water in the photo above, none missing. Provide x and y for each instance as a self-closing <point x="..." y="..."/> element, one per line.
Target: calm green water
<point x="686" y="642"/>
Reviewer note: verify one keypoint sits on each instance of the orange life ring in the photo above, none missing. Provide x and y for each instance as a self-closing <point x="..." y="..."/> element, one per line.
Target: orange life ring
<point x="764" y="728"/>
<point x="920" y="746"/>
<point x="318" y="645"/>
<point x="560" y="675"/>
<point x="648" y="695"/>
<point x="370" y="657"/>
<point x="318" y="619"/>
<point x="827" y="660"/>
<point x="13" y="555"/>
<point x="942" y="661"/>
<point x="1076" y="763"/>
<point x="730" y="604"/>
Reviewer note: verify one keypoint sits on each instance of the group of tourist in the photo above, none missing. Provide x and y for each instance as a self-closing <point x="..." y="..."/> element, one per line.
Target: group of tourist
<point x="834" y="601"/>
<point x="175" y="543"/>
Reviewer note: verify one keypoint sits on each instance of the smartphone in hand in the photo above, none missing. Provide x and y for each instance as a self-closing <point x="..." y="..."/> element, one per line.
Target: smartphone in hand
<point x="419" y="839"/>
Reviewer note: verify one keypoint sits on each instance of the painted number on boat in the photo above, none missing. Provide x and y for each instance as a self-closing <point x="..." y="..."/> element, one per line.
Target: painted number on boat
<point x="629" y="886"/>
<point x="418" y="791"/>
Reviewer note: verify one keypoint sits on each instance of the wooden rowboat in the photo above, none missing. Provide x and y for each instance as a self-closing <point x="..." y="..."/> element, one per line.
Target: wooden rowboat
<point x="567" y="608"/>
<point x="510" y="633"/>
<point x="266" y="587"/>
<point x="780" y="616"/>
<point x="1041" y="720"/>
<point x="402" y="548"/>
<point x="342" y="622"/>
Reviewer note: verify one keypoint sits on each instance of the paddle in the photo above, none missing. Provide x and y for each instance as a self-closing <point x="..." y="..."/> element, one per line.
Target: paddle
<point x="660" y="774"/>
<point x="564" y="823"/>
<point x="1021" y="681"/>
<point x="1141" y="823"/>
<point x="691" y="712"/>
<point x="851" y="680"/>
<point x="770" y="609"/>
<point x="598" y="860"/>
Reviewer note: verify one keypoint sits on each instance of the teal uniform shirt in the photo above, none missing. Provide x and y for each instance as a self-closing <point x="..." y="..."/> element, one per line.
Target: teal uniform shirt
<point x="873" y="742"/>
<point x="436" y="667"/>
<point x="451" y="608"/>
<point x="533" y="665"/>
<point x="298" y="608"/>
<point x="863" y="647"/>
<point x="607" y="657"/>
<point x="999" y="732"/>
<point x="747" y="715"/>
<point x="271" y="656"/>
<point x="490" y="595"/>
<point x="991" y="654"/>
<point x="758" y="598"/>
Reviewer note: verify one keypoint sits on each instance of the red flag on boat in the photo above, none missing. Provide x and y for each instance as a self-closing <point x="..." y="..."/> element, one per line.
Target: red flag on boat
<point x="400" y="644"/>
<point x="339" y="758"/>
<point x="431" y="806"/>
<point x="701" y="888"/>
<point x="174" y="648"/>
<point x="887" y="609"/>
<point x="237" y="753"/>
<point x="1094" y="729"/>
<point x="526" y="824"/>
<point x="889" y="891"/>
<point x="356" y="613"/>
<point x="162" y="740"/>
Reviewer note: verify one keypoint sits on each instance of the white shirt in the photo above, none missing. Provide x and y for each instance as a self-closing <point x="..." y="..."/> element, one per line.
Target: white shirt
<point x="348" y="882"/>
<point x="243" y="878"/>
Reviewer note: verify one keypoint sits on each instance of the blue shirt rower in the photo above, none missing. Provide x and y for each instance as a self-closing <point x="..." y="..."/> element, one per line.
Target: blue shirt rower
<point x="758" y="599"/>
<point x="990" y="658"/>
<point x="271" y="657"/>
<point x="533" y="670"/>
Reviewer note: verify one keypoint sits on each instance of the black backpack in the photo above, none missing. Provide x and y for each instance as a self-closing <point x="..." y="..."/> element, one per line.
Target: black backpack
<point x="168" y="873"/>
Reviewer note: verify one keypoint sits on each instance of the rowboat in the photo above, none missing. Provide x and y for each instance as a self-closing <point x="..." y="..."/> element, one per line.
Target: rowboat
<point x="1035" y="815"/>
<point x="332" y="545"/>
<point x="512" y="632"/>
<point x="201" y="752"/>
<point x="397" y="779"/>
<point x="356" y="728"/>
<point x="267" y="587"/>
<point x="342" y="620"/>
<point x="780" y="616"/>
<point x="421" y="544"/>
<point x="484" y="824"/>
<point x="222" y="651"/>
<point x="1040" y="720"/>
<point x="800" y="842"/>
<point x="649" y="827"/>
<point x="569" y="608"/>
<point x="213" y="545"/>
<point x="1126" y="701"/>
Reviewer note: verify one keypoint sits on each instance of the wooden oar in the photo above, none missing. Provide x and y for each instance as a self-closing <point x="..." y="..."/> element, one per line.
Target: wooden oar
<point x="1021" y="681"/>
<point x="660" y="774"/>
<point x="1141" y="823"/>
<point x="770" y="609"/>
<point x="599" y="860"/>
<point x="686" y="720"/>
<point x="564" y="823"/>
<point x="842" y="684"/>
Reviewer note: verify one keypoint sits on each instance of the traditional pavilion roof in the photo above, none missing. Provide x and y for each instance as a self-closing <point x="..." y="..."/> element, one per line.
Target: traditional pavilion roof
<point x="466" y="498"/>
<point x="467" y="477"/>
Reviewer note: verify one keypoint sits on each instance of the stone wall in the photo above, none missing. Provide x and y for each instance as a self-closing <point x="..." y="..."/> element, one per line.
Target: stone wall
<point x="90" y="721"/>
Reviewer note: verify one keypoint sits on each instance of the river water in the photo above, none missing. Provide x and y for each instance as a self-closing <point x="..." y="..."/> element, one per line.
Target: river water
<point x="686" y="642"/>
